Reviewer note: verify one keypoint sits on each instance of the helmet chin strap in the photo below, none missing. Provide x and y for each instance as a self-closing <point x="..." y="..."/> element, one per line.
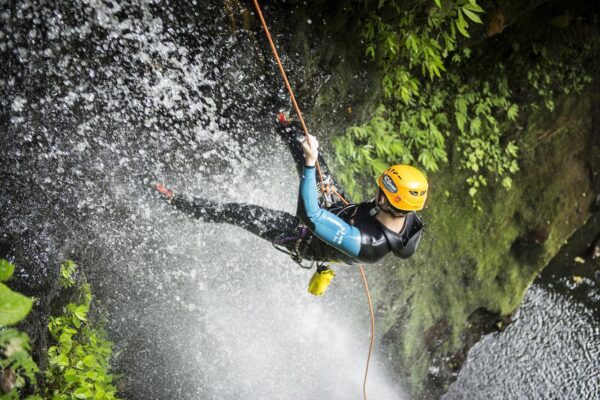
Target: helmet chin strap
<point x="374" y="210"/>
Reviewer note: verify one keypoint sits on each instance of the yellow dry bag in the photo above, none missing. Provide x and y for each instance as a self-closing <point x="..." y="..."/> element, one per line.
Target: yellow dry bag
<point x="320" y="281"/>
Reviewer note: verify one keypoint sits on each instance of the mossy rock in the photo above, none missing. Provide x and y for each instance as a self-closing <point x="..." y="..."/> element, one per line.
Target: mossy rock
<point x="471" y="260"/>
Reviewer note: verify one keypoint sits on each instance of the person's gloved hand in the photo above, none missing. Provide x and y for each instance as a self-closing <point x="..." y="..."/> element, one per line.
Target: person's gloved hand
<point x="311" y="150"/>
<point x="164" y="191"/>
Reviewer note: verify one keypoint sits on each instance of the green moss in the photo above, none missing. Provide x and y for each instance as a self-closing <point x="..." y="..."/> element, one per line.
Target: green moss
<point x="487" y="258"/>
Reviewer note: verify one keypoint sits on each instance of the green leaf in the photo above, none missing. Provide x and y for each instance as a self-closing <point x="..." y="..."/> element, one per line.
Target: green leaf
<point x="6" y="270"/>
<point x="438" y="3"/>
<point x="461" y="119"/>
<point x="513" y="112"/>
<point x="370" y="52"/>
<point x="472" y="16"/>
<point x="14" y="307"/>
<point x="65" y="343"/>
<point x="83" y="393"/>
<point x="81" y="313"/>
<point x="462" y="25"/>
<point x="52" y="351"/>
<point x="89" y="361"/>
<point x="70" y="375"/>
<point x="475" y="125"/>
<point x="60" y="360"/>
<point x="65" y="337"/>
<point x="93" y="375"/>
<point x="473" y="6"/>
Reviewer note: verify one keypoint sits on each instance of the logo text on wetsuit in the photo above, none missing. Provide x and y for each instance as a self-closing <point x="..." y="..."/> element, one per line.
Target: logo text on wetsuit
<point x="339" y="236"/>
<point x="389" y="184"/>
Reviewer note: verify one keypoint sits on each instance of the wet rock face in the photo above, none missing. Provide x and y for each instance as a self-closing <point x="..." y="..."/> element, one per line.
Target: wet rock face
<point x="530" y="246"/>
<point x="243" y="61"/>
<point x="593" y="252"/>
<point x="470" y="261"/>
<point x="444" y="368"/>
<point x="97" y="100"/>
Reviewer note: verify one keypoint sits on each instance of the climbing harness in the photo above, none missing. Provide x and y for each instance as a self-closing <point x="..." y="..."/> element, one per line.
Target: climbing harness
<point x="324" y="188"/>
<point x="296" y="245"/>
<point x="323" y="275"/>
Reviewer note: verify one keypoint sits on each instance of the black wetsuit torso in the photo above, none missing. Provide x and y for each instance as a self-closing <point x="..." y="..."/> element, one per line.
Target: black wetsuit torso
<point x="376" y="240"/>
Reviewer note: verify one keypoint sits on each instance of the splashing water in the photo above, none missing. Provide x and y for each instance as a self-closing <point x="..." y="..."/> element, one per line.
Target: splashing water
<point x="101" y="98"/>
<point x="552" y="350"/>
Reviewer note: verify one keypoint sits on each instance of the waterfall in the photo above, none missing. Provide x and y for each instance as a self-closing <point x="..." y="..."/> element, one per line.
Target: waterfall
<point x="102" y="98"/>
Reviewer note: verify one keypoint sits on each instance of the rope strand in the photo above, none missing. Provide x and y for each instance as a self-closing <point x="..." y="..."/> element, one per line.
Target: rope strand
<point x="323" y="187"/>
<point x="287" y="84"/>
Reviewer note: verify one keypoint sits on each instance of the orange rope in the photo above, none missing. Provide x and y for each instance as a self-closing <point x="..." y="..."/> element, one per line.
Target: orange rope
<point x="364" y="279"/>
<point x="323" y="187"/>
<point x="287" y="83"/>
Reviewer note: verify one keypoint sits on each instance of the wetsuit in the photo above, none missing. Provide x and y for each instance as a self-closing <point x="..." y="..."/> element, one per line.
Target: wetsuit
<point x="336" y="232"/>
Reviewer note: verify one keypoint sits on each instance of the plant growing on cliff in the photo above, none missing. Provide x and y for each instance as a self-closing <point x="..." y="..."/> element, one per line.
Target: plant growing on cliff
<point x="79" y="355"/>
<point x="79" y="360"/>
<point x="413" y="44"/>
<point x="433" y="98"/>
<point x="407" y="37"/>
<point x="16" y="365"/>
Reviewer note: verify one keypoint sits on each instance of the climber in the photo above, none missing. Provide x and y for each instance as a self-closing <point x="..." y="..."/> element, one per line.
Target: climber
<point x="324" y="229"/>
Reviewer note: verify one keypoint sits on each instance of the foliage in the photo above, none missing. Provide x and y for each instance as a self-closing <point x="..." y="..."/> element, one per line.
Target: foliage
<point x="405" y="37"/>
<point x="416" y="133"/>
<point x="79" y="361"/>
<point x="67" y="270"/>
<point x="14" y="345"/>
<point x="558" y="72"/>
<point x="435" y="95"/>
<point x="80" y="354"/>
<point x="412" y="42"/>
<point x="479" y="110"/>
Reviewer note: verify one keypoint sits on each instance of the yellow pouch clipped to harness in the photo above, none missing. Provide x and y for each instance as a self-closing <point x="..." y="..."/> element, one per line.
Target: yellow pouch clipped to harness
<point x="320" y="281"/>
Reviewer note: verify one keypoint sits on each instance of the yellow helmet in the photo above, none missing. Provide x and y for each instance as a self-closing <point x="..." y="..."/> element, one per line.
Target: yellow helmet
<point x="404" y="186"/>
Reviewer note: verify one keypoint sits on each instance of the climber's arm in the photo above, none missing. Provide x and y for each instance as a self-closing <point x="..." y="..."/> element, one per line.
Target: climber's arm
<point x="327" y="226"/>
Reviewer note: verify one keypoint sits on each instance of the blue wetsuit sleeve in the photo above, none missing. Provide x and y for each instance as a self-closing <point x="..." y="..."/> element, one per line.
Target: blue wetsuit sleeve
<point x="327" y="226"/>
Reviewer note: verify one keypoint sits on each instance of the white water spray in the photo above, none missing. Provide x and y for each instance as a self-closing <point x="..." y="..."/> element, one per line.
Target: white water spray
<point x="105" y="97"/>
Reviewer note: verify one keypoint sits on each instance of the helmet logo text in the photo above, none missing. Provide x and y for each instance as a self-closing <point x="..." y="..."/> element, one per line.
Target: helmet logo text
<point x="389" y="184"/>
